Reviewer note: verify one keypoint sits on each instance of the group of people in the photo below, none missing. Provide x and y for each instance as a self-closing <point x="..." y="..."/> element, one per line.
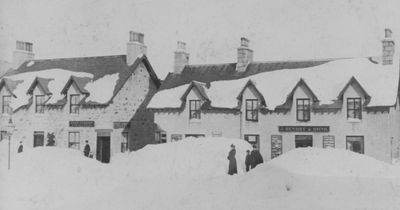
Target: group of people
<point x="252" y="159"/>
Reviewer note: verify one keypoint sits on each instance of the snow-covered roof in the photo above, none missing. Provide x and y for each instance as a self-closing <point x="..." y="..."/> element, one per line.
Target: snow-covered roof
<point x="326" y="80"/>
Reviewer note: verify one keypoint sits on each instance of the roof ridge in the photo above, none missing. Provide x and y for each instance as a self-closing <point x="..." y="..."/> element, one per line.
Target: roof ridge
<point x="71" y="58"/>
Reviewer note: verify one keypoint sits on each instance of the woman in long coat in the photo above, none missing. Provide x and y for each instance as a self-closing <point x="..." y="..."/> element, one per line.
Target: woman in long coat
<point x="232" y="161"/>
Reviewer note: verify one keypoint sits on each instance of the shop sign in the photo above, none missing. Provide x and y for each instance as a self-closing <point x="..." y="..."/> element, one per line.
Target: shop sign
<point x="303" y="128"/>
<point x="81" y="123"/>
<point x="328" y="141"/>
<point x="118" y="125"/>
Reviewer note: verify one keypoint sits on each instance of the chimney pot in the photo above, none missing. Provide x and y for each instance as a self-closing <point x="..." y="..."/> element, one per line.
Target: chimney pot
<point x="135" y="47"/>
<point x="244" y="42"/>
<point x="23" y="52"/>
<point x="387" y="48"/>
<point x="244" y="55"/>
<point x="136" y="37"/>
<point x="388" y="33"/>
<point x="181" y="46"/>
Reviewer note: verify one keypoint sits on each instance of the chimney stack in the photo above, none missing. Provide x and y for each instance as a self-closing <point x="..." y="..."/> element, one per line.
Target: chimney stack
<point x="387" y="48"/>
<point x="181" y="57"/>
<point x="135" y="47"/>
<point x="23" y="52"/>
<point x="244" y="55"/>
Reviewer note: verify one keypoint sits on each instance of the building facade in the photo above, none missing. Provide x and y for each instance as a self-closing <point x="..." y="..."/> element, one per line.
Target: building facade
<point x="73" y="100"/>
<point x="278" y="106"/>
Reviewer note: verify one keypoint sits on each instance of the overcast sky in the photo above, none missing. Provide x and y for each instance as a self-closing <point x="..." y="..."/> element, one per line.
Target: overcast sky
<point x="277" y="29"/>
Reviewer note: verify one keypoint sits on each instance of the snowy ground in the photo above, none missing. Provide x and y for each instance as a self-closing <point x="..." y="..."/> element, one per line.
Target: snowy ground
<point x="191" y="174"/>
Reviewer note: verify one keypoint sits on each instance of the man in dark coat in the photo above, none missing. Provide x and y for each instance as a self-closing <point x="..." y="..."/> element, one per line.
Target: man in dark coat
<point x="21" y="147"/>
<point x="248" y="160"/>
<point x="232" y="161"/>
<point x="256" y="157"/>
<point x="86" y="150"/>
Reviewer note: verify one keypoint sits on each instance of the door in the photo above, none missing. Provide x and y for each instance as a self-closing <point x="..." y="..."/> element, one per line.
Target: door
<point x="38" y="138"/>
<point x="103" y="149"/>
<point x="303" y="141"/>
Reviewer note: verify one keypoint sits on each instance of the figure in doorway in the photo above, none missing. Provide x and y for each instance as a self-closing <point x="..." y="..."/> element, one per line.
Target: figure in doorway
<point x="232" y="161"/>
<point x="256" y="157"/>
<point x="248" y="160"/>
<point x="86" y="150"/>
<point x="21" y="147"/>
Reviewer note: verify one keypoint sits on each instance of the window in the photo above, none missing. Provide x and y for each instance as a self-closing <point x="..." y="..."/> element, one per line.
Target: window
<point x="328" y="141"/>
<point x="176" y="137"/>
<point x="194" y="108"/>
<point x="195" y="135"/>
<point x="355" y="144"/>
<point x="303" y="141"/>
<point x="252" y="109"/>
<point x="253" y="140"/>
<point x="73" y="140"/>
<point x="38" y="138"/>
<point x="39" y="104"/>
<point x="74" y="104"/>
<point x="354" y="108"/>
<point x="276" y="146"/>
<point x="161" y="137"/>
<point x="5" y="106"/>
<point x="3" y="135"/>
<point x="303" y="109"/>
<point x="124" y="143"/>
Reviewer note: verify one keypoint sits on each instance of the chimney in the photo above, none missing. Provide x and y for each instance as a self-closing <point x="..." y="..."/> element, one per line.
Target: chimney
<point x="387" y="48"/>
<point x="135" y="47"/>
<point x="244" y="55"/>
<point x="181" y="57"/>
<point x="23" y="52"/>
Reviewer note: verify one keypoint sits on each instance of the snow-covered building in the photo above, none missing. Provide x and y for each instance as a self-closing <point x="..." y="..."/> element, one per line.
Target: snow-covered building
<point x="99" y="99"/>
<point x="350" y="103"/>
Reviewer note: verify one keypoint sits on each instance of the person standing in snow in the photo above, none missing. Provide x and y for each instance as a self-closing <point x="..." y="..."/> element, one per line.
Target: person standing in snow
<point x="21" y="147"/>
<point x="256" y="157"/>
<point x="248" y="160"/>
<point x="232" y="161"/>
<point x="86" y="150"/>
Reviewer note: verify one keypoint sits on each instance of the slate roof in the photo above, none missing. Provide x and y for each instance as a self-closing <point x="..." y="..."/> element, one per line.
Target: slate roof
<point x="43" y="83"/>
<point x="216" y="72"/>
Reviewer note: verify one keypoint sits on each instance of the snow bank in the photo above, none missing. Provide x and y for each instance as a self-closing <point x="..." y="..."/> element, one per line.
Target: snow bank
<point x="326" y="81"/>
<point x="102" y="89"/>
<point x="333" y="162"/>
<point x="189" y="158"/>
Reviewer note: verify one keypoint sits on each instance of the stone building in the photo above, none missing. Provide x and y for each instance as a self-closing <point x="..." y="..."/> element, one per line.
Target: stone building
<point x="349" y="103"/>
<point x="98" y="99"/>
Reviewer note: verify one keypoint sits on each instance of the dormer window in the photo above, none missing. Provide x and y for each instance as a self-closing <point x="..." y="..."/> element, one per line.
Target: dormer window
<point x="194" y="109"/>
<point x="39" y="103"/>
<point x="303" y="108"/>
<point x="354" y="108"/>
<point x="5" y="106"/>
<point x="74" y="104"/>
<point x="252" y="110"/>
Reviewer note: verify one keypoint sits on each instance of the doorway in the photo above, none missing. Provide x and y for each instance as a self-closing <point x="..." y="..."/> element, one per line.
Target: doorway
<point x="103" y="149"/>
<point x="303" y="141"/>
<point x="38" y="138"/>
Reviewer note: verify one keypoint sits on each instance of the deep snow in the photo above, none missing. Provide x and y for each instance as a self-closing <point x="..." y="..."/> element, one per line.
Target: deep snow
<point x="191" y="174"/>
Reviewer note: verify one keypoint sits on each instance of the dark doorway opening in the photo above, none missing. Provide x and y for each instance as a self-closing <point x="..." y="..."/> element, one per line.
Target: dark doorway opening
<point x="303" y="141"/>
<point x="38" y="138"/>
<point x="103" y="149"/>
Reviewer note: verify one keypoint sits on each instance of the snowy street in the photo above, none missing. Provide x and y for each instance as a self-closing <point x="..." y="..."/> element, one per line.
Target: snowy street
<point x="191" y="174"/>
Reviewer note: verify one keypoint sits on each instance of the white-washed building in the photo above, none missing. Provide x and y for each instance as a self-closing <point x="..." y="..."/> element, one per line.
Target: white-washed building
<point x="99" y="99"/>
<point x="349" y="103"/>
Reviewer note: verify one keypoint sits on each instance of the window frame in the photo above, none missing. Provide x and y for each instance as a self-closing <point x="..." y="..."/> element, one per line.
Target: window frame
<point x="39" y="108"/>
<point x="75" y="105"/>
<point x="305" y="109"/>
<point x="3" y="135"/>
<point x="124" y="142"/>
<point x="6" y="108"/>
<point x="354" y="109"/>
<point x="257" y="136"/>
<point x="252" y="112"/>
<point x="72" y="144"/>
<point x="194" y="112"/>
<point x="362" y="143"/>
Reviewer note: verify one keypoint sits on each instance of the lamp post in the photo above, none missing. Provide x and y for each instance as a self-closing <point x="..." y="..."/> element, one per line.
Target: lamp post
<point x="10" y="129"/>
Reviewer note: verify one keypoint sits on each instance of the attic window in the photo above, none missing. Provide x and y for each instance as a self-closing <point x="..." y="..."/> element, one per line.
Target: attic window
<point x="252" y="110"/>
<point x="303" y="109"/>
<point x="39" y="102"/>
<point x="194" y="109"/>
<point x="5" y="105"/>
<point x="74" y="104"/>
<point x="354" y="108"/>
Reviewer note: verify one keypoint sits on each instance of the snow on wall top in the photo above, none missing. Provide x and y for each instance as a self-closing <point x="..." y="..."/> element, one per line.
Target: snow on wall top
<point x="326" y="81"/>
<point x="101" y="90"/>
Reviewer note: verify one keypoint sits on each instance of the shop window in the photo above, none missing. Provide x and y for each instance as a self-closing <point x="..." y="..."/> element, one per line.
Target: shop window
<point x="194" y="109"/>
<point x="74" y="104"/>
<point x="276" y="146"/>
<point x="328" y="141"/>
<point x="195" y="135"/>
<point x="124" y="143"/>
<point x="74" y="140"/>
<point x="3" y="135"/>
<point x="176" y="137"/>
<point x="354" y="108"/>
<point x="39" y="103"/>
<point x="303" y="108"/>
<point x="303" y="141"/>
<point x="254" y="140"/>
<point x="252" y="110"/>
<point x="161" y="137"/>
<point x="355" y="144"/>
<point x="5" y="105"/>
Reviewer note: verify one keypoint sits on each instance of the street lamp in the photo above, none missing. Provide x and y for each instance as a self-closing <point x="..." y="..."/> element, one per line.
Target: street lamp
<point x="10" y="129"/>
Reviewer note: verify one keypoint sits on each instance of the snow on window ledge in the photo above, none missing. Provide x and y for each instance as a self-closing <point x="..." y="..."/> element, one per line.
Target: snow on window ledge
<point x="353" y="120"/>
<point x="194" y="120"/>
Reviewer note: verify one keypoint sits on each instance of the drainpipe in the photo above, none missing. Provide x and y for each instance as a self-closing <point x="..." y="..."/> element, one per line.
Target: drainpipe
<point x="240" y="125"/>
